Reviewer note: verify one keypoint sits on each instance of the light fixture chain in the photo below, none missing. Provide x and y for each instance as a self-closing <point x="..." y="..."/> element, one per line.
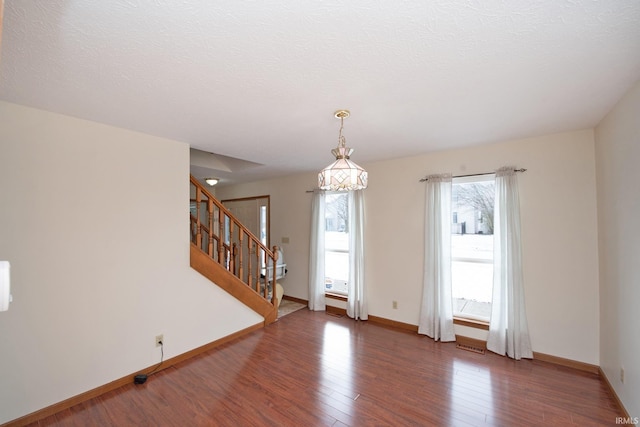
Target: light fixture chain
<point x="341" y="139"/>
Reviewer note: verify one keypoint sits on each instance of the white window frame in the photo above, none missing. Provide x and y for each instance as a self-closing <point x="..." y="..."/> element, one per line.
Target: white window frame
<point x="339" y="251"/>
<point x="468" y="180"/>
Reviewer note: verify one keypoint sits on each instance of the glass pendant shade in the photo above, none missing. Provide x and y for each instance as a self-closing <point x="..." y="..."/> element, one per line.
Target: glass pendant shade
<point x="343" y="174"/>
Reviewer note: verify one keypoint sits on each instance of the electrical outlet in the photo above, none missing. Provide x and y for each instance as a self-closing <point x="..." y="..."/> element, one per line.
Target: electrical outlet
<point x="159" y="340"/>
<point x="622" y="375"/>
<point x="394" y="304"/>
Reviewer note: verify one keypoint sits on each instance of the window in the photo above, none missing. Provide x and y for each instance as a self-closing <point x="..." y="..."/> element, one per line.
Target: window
<point x="336" y="235"/>
<point x="472" y="246"/>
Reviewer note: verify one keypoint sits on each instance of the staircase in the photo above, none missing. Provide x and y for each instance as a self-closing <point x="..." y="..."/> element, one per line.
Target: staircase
<point x="231" y="256"/>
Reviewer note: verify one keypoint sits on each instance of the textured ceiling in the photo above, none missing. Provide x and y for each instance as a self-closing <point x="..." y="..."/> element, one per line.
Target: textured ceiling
<point x="260" y="80"/>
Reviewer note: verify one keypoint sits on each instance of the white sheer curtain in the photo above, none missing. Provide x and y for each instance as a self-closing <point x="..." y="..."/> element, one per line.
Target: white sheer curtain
<point x="508" y="329"/>
<point x="316" y="253"/>
<point x="436" y="313"/>
<point x="356" y="299"/>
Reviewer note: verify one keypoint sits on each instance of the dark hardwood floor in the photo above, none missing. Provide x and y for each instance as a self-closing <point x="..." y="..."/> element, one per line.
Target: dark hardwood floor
<point x="314" y="369"/>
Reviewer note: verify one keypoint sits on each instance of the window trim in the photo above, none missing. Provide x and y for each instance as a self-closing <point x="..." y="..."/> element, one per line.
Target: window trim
<point x="336" y="296"/>
<point x="471" y="323"/>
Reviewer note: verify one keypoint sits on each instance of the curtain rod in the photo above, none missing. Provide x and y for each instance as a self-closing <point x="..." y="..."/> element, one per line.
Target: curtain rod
<point x="476" y="174"/>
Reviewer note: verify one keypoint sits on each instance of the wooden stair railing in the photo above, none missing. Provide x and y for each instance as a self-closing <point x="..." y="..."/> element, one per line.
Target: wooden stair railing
<point x="225" y="240"/>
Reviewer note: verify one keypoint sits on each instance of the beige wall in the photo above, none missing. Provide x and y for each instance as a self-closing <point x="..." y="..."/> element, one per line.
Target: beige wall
<point x="559" y="231"/>
<point x="93" y="221"/>
<point x="618" y="172"/>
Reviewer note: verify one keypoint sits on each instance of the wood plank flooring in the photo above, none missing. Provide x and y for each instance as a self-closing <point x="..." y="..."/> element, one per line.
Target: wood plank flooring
<point x="314" y="369"/>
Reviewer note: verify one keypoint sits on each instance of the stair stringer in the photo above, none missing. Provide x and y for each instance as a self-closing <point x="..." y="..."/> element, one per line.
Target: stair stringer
<point x="224" y="279"/>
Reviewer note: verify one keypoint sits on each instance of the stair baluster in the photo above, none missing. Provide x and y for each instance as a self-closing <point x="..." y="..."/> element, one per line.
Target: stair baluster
<point x="225" y="241"/>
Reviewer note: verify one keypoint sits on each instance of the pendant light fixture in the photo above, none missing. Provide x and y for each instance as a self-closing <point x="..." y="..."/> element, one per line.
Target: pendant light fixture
<point x="343" y="174"/>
